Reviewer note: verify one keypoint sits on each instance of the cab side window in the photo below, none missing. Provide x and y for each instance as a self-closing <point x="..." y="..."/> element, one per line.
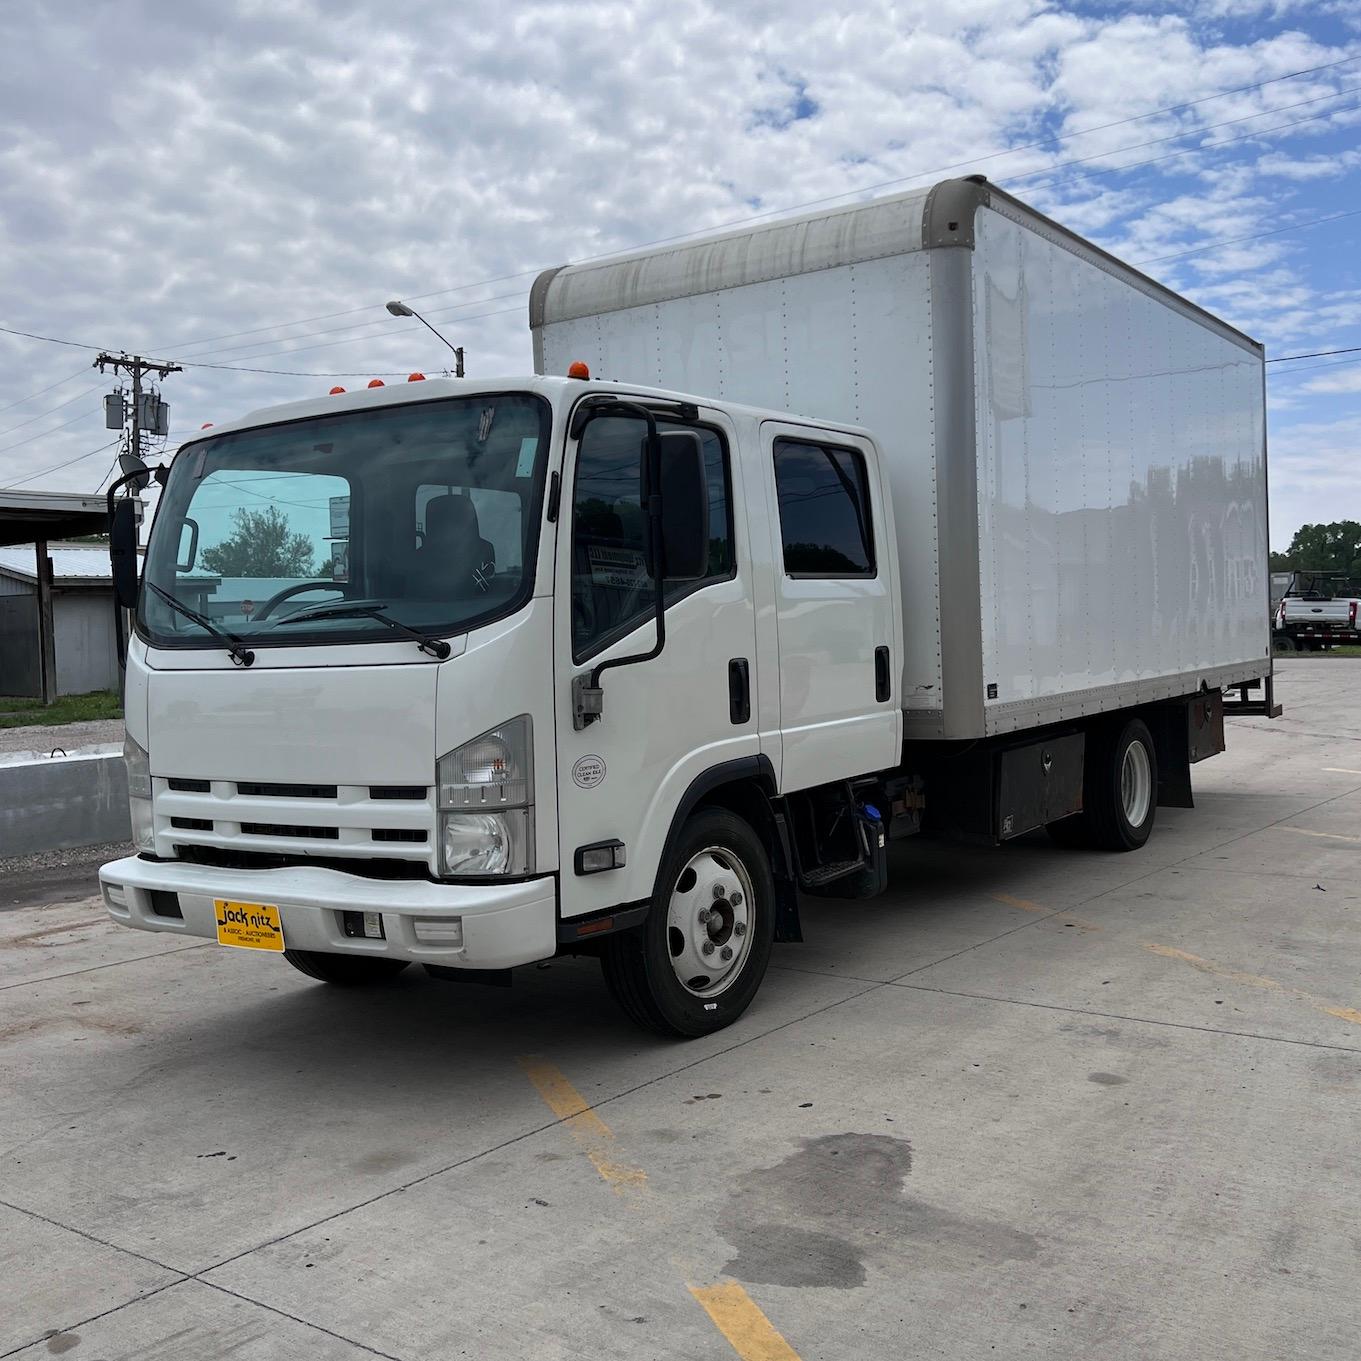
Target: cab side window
<point x="824" y="510"/>
<point x="612" y="589"/>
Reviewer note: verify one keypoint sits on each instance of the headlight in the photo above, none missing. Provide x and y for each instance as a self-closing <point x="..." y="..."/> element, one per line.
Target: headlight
<point x="487" y="843"/>
<point x="486" y="801"/>
<point x="139" y="795"/>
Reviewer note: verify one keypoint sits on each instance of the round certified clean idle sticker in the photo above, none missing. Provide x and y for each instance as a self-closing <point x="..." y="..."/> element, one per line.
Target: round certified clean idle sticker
<point x="588" y="771"/>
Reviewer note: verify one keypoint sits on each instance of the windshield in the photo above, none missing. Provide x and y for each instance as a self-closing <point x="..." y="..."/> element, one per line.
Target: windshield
<point x="429" y="511"/>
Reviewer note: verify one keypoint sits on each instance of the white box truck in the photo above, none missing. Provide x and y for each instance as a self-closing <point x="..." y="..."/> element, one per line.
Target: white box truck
<point x="922" y="514"/>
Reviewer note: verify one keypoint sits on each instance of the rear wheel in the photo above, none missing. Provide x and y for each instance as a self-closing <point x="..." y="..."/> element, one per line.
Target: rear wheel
<point x="1283" y="642"/>
<point x="348" y="971"/>
<point x="695" y="964"/>
<point x="1120" y="789"/>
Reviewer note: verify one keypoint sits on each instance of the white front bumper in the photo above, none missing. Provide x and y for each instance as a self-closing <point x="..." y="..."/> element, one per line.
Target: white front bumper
<point x="503" y="924"/>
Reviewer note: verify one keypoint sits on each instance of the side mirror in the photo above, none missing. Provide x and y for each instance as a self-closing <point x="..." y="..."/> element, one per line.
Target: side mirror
<point x="123" y="551"/>
<point x="685" y="506"/>
<point x="188" y="556"/>
<point x="136" y="470"/>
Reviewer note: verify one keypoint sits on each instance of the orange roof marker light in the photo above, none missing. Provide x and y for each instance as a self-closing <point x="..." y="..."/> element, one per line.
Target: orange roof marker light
<point x="207" y="425"/>
<point x="415" y="378"/>
<point x="376" y="383"/>
<point x="578" y="369"/>
<point x="335" y="392"/>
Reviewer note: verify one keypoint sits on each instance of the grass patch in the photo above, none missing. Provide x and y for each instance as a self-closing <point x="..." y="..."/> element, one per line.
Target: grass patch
<point x="22" y="711"/>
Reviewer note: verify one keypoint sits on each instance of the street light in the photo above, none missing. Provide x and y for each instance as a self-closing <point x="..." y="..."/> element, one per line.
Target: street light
<point x="400" y="309"/>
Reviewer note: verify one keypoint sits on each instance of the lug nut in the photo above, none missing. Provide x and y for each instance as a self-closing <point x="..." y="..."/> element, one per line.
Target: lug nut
<point x="739" y="928"/>
<point x="718" y="890"/>
<point x="735" y="899"/>
<point x="707" y="948"/>
<point x="704" y="915"/>
<point x="725" y="954"/>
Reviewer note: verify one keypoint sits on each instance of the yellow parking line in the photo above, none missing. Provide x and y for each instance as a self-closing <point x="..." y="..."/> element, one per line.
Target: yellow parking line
<point x="739" y="1318"/>
<point x="1253" y="980"/>
<point x="1027" y="906"/>
<point x="594" y="1136"/>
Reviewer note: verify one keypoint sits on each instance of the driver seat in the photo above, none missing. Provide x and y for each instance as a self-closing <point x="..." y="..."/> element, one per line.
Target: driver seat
<point x="454" y="555"/>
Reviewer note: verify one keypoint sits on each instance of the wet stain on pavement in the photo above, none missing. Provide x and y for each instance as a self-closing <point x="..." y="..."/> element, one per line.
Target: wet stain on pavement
<point x="1107" y="1079"/>
<point x="59" y="1343"/>
<point x="823" y="1215"/>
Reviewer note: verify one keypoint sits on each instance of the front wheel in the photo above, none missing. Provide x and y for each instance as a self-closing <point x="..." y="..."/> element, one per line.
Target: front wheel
<point x="347" y="971"/>
<point x="695" y="964"/>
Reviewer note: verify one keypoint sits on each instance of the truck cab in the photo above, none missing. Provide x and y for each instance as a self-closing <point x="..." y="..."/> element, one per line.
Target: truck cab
<point x="471" y="673"/>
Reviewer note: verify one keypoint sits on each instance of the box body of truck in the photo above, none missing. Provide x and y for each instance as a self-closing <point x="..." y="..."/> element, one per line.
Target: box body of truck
<point x="1076" y="454"/>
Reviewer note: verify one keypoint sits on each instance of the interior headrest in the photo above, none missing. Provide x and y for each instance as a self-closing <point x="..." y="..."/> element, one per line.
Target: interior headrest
<point x="451" y="517"/>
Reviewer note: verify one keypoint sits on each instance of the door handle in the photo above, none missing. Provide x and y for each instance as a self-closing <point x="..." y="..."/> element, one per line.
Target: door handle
<point x="883" y="687"/>
<point x="739" y="691"/>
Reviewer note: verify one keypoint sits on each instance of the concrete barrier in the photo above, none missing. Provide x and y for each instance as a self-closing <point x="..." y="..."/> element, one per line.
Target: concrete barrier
<point x="53" y="803"/>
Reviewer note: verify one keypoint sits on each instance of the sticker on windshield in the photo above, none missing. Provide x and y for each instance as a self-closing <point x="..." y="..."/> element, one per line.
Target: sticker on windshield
<point x="588" y="771"/>
<point x="524" y="465"/>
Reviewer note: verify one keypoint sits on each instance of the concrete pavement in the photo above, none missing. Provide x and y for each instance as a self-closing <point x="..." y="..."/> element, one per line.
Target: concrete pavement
<point x="1030" y="1102"/>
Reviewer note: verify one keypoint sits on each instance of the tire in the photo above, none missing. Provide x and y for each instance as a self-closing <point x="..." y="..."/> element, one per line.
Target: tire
<point x="346" y="971"/>
<point x="1284" y="643"/>
<point x="643" y="968"/>
<point x="1120" y="786"/>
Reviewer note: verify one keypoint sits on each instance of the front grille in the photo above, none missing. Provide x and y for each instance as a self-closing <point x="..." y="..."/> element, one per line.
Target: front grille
<point x="190" y="786"/>
<point x="255" y="790"/>
<point x="290" y="829"/>
<point x="413" y="834"/>
<point x="193" y="824"/>
<point x="410" y="792"/>
<point x="221" y="857"/>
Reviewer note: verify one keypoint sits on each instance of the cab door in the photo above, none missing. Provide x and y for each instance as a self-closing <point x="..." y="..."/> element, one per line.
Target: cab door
<point x="837" y="625"/>
<point x="665" y="721"/>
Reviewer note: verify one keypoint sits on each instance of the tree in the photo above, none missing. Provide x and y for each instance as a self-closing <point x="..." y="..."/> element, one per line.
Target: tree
<point x="261" y="546"/>
<point x="1333" y="547"/>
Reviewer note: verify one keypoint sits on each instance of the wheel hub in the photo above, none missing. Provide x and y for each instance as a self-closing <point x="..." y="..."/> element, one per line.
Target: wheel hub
<point x="708" y="920"/>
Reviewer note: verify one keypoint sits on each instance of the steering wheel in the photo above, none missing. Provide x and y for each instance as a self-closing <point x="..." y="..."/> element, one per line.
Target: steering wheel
<point x="298" y="588"/>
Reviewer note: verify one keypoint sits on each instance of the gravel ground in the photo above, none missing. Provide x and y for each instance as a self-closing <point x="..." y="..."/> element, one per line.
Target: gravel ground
<point x="68" y="736"/>
<point x="55" y="876"/>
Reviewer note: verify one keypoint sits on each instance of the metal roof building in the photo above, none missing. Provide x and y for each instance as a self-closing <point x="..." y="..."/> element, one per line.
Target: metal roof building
<point x="30" y="592"/>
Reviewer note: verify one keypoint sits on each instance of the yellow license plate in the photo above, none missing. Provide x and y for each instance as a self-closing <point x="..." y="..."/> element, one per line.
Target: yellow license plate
<point x="251" y="926"/>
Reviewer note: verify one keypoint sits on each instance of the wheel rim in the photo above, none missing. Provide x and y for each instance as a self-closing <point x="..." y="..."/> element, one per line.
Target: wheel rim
<point x="708" y="922"/>
<point x="1136" y="783"/>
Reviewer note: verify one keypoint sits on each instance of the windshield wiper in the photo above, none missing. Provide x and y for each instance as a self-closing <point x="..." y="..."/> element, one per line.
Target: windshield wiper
<point x="240" y="653"/>
<point x="353" y="609"/>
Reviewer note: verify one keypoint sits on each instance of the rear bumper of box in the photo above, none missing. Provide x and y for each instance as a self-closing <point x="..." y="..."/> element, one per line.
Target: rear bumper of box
<point x="503" y="924"/>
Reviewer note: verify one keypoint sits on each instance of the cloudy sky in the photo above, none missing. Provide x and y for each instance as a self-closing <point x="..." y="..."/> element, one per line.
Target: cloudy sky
<point x="239" y="185"/>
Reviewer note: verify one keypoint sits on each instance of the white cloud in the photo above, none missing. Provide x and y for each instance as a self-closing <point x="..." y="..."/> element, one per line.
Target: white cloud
<point x="275" y="160"/>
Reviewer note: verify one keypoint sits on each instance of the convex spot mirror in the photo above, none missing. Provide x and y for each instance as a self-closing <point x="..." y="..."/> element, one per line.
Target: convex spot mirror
<point x="123" y="551"/>
<point x="685" y="504"/>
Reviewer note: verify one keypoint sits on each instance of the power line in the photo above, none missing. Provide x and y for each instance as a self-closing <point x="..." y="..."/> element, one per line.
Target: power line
<point x="56" y="468"/>
<point x="85" y="392"/>
<point x="42" y="434"/>
<point x="1255" y="236"/>
<point x="1185" y="151"/>
<point x="1187" y="132"/>
<point x="61" y="382"/>
<point x="813" y="203"/>
<point x="1315" y="354"/>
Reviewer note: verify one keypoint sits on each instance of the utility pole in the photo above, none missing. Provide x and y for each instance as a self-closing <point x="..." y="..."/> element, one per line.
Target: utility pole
<point x="136" y="366"/>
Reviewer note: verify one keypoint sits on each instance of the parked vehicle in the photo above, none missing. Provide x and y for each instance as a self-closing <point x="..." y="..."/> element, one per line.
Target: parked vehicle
<point x="922" y="514"/>
<point x="1316" y="611"/>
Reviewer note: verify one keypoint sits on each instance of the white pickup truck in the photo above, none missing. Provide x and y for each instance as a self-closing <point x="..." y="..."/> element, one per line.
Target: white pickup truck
<point x="1317" y="611"/>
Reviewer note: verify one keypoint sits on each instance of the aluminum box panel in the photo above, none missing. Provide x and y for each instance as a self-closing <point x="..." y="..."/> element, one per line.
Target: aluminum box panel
<point x="1121" y="484"/>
